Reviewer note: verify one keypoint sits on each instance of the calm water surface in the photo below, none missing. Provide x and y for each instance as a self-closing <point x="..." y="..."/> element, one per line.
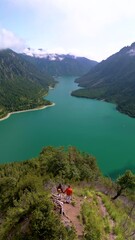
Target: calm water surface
<point x="90" y="125"/>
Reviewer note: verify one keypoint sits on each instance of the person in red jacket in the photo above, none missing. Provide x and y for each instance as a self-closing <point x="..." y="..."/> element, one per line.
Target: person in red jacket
<point x="68" y="192"/>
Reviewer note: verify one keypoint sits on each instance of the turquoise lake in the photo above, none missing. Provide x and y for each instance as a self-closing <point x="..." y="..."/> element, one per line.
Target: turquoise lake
<point x="90" y="125"/>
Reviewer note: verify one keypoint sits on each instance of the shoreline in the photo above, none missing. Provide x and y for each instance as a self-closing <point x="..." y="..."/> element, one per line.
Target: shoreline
<point x="117" y="106"/>
<point x="28" y="110"/>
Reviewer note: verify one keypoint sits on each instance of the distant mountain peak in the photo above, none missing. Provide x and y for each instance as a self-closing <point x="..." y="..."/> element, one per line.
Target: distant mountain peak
<point x="59" y="64"/>
<point x="131" y="50"/>
<point x="41" y="53"/>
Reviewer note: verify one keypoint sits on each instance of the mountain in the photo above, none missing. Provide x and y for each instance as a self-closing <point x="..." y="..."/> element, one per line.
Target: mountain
<point x="59" y="64"/>
<point x="112" y="80"/>
<point x="31" y="208"/>
<point x="22" y="85"/>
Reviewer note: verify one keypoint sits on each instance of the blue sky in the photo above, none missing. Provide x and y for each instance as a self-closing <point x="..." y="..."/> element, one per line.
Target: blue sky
<point x="92" y="28"/>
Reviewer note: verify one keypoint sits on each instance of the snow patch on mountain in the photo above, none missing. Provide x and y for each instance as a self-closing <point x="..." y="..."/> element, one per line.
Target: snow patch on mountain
<point x="41" y="53"/>
<point x="131" y="52"/>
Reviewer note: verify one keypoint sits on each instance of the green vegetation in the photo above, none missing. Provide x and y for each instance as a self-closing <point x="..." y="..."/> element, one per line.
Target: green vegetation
<point x="96" y="227"/>
<point x="122" y="217"/>
<point x="27" y="210"/>
<point x="125" y="182"/>
<point x="24" y="80"/>
<point x="112" y="80"/>
<point x="104" y="219"/>
<point x="22" y="85"/>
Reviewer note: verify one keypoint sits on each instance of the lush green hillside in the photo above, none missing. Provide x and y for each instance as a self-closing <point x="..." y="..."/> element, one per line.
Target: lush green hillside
<point x="22" y="85"/>
<point x="112" y="80"/>
<point x="63" y="65"/>
<point x="27" y="209"/>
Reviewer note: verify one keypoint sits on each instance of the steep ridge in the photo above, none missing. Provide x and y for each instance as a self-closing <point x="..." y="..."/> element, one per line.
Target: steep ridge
<point x="22" y="85"/>
<point x="93" y="210"/>
<point x="112" y="80"/>
<point x="29" y="211"/>
<point x="59" y="64"/>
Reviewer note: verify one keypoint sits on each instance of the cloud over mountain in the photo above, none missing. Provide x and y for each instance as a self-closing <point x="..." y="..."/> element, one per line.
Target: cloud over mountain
<point x="9" y="40"/>
<point x="95" y="29"/>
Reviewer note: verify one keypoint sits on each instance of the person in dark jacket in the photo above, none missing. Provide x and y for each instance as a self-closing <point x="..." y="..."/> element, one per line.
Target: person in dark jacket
<point x="59" y="191"/>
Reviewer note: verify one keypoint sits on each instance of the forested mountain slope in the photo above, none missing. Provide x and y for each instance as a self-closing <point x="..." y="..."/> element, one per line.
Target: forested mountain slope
<point x="60" y="64"/>
<point x="112" y="80"/>
<point x="30" y="208"/>
<point x="22" y="85"/>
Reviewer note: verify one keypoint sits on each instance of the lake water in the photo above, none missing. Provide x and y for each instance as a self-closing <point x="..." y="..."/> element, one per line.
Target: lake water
<point x="90" y="125"/>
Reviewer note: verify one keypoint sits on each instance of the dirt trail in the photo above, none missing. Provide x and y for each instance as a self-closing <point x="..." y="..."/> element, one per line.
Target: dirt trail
<point x="72" y="214"/>
<point x="72" y="217"/>
<point x="104" y="213"/>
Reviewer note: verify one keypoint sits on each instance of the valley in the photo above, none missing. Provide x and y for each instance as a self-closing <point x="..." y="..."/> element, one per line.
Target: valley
<point x="85" y="142"/>
<point x="93" y="126"/>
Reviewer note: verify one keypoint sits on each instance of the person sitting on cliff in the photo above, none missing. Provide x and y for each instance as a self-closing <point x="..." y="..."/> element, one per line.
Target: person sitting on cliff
<point x="68" y="192"/>
<point x="59" y="191"/>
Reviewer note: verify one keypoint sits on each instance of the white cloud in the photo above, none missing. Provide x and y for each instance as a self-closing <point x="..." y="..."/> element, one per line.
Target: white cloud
<point x="9" y="40"/>
<point x="93" y="27"/>
<point x="83" y="17"/>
